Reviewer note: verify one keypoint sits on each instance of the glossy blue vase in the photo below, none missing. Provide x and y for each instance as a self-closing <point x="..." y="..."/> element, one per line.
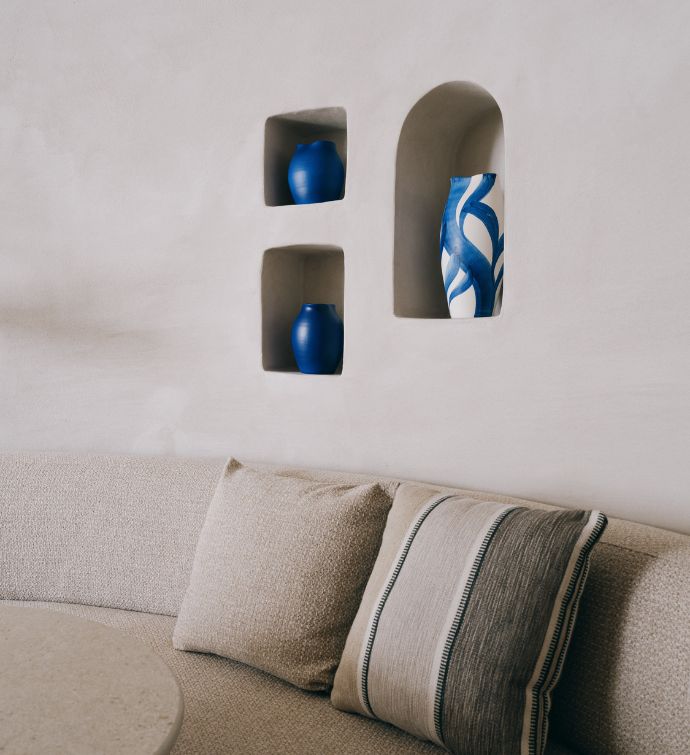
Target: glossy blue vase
<point x="317" y="339"/>
<point x="316" y="173"/>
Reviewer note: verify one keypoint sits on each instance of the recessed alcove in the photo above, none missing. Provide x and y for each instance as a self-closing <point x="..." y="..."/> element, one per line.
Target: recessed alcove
<point x="282" y="135"/>
<point x="292" y="276"/>
<point x="455" y="129"/>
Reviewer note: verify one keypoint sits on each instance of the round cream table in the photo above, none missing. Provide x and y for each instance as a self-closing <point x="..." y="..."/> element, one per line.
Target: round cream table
<point x="68" y="685"/>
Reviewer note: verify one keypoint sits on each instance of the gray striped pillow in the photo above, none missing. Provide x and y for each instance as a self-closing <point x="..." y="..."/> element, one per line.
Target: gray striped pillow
<point x="465" y="622"/>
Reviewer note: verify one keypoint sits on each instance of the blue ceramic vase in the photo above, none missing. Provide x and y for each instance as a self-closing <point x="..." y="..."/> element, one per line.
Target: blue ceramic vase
<point x="472" y="246"/>
<point x="316" y="173"/>
<point x="317" y="339"/>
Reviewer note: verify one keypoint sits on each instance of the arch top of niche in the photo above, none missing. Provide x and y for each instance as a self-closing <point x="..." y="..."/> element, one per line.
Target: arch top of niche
<point x="455" y="129"/>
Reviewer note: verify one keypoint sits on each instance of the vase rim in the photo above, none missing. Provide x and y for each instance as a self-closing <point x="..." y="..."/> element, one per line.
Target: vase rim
<point x="462" y="178"/>
<point x="317" y="304"/>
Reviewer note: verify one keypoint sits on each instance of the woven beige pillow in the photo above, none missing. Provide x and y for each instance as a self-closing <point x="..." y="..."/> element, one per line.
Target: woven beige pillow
<point x="279" y="572"/>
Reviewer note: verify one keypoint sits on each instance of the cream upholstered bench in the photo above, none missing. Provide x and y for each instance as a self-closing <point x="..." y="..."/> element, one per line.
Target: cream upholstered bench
<point x="112" y="539"/>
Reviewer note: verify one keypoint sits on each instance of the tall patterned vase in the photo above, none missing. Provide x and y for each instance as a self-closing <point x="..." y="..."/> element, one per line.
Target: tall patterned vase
<point x="316" y="173"/>
<point x="317" y="339"/>
<point x="472" y="246"/>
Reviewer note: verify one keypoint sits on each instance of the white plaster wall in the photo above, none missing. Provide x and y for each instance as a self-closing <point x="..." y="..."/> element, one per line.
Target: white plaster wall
<point x="132" y="225"/>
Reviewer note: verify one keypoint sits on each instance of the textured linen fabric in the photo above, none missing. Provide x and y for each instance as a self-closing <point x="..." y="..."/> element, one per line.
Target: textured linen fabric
<point x="626" y="686"/>
<point x="116" y="531"/>
<point x="279" y="571"/>
<point x="465" y="621"/>
<point x="232" y="709"/>
<point x="624" y="690"/>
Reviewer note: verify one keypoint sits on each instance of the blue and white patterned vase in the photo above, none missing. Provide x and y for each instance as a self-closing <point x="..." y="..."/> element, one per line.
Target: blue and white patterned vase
<point x="472" y="246"/>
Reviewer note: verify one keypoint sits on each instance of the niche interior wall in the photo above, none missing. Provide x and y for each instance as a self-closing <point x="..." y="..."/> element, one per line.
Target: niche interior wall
<point x="290" y="277"/>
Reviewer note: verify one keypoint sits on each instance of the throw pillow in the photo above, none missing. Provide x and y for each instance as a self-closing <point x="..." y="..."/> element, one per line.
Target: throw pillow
<point x="465" y="621"/>
<point x="279" y="572"/>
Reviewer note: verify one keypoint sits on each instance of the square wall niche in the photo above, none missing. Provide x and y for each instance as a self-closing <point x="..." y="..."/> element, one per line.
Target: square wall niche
<point x="290" y="277"/>
<point x="282" y="135"/>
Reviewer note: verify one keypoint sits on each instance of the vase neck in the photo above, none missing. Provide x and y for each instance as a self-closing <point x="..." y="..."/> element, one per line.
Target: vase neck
<point x="321" y="307"/>
<point x="457" y="179"/>
<point x="318" y="143"/>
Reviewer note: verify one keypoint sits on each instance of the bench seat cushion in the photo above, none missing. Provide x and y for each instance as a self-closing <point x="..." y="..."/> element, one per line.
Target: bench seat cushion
<point x="232" y="708"/>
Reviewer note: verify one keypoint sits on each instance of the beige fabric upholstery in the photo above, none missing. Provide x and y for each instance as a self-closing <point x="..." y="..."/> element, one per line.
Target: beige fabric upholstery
<point x="279" y="572"/>
<point x="626" y="684"/>
<point x="116" y="531"/>
<point x="231" y="709"/>
<point x="624" y="688"/>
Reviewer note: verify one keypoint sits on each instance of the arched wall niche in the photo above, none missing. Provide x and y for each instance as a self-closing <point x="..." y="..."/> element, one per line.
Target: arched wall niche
<point x="455" y="129"/>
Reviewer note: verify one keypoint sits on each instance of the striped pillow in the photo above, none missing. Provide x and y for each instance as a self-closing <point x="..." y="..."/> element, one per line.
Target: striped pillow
<point x="465" y="622"/>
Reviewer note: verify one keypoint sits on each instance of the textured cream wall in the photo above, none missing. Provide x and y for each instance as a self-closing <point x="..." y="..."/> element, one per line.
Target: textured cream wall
<point x="132" y="225"/>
